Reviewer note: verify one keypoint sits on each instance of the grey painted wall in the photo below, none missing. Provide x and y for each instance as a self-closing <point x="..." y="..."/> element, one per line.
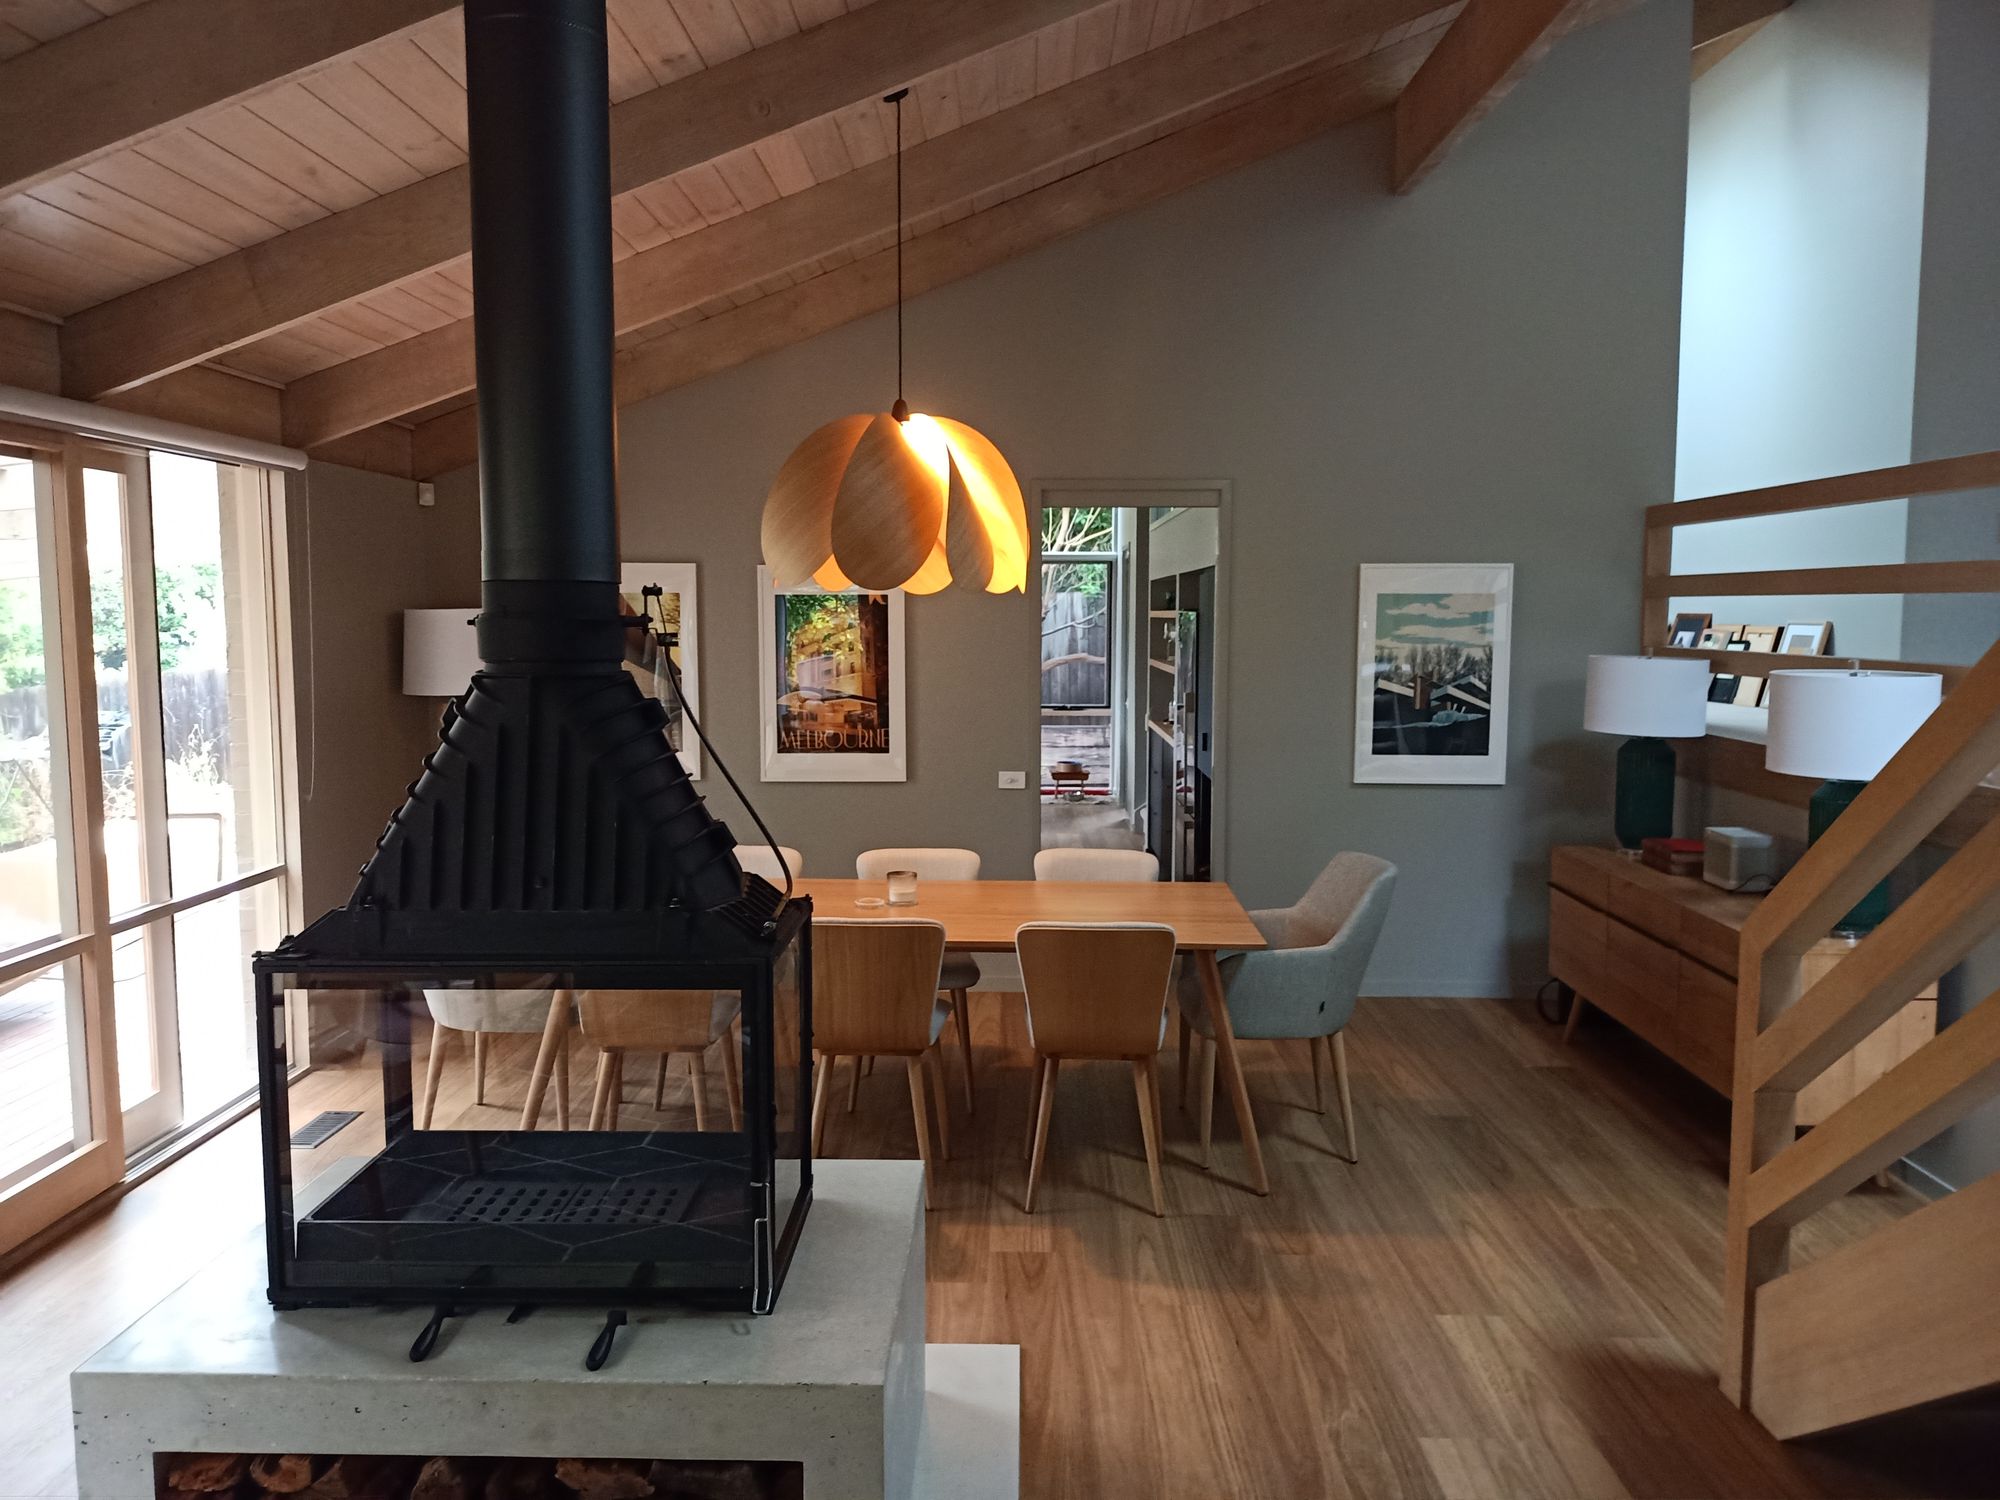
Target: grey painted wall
<point x="1481" y="371"/>
<point x="1799" y="326"/>
<point x="1956" y="409"/>
<point x="362" y="552"/>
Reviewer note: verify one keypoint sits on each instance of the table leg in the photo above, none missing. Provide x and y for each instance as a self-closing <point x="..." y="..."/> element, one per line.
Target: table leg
<point x="1232" y="1065"/>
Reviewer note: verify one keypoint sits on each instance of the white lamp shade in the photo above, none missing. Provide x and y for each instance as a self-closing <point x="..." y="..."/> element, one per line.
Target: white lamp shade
<point x="440" y="651"/>
<point x="1657" y="696"/>
<point x="1845" y="726"/>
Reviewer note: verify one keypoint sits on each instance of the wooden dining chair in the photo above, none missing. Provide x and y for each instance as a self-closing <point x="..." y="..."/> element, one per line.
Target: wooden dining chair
<point x="1133" y="866"/>
<point x="1095" y="991"/>
<point x="762" y="859"/>
<point x="673" y="1023"/>
<point x="875" y="994"/>
<point x="482" y="1014"/>
<point x="961" y="970"/>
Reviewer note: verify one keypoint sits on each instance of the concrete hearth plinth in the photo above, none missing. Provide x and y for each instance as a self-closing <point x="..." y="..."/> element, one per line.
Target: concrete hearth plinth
<point x="834" y="1380"/>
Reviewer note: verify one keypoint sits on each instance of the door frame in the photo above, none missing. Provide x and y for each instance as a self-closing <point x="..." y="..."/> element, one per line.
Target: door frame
<point x="1143" y="495"/>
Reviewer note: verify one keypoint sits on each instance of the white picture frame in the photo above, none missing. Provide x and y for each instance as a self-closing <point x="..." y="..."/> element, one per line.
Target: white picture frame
<point x="682" y="597"/>
<point x="784" y="715"/>
<point x="1419" y="718"/>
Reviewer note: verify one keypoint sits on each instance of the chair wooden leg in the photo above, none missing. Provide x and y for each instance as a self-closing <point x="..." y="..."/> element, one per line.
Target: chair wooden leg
<point x="433" y="1071"/>
<point x="478" y="1067"/>
<point x="1143" y="1081"/>
<point x="1339" y="1045"/>
<point x="916" y="1071"/>
<point x="617" y="1088"/>
<point x="871" y="1067"/>
<point x="1313" y="1044"/>
<point x="934" y="1065"/>
<point x="1044" y="1106"/>
<point x="562" y="1083"/>
<point x="961" y="1005"/>
<point x="600" y="1098"/>
<point x="854" y="1085"/>
<point x="1035" y="1076"/>
<point x="824" y="1073"/>
<point x="732" y="1079"/>
<point x="660" y="1084"/>
<point x="1205" y="1092"/>
<point x="555" y="1038"/>
<point x="1186" y="1033"/>
<point x="698" y="1081"/>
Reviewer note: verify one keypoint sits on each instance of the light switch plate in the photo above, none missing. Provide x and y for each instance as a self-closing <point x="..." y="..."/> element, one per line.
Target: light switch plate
<point x="1013" y="781"/>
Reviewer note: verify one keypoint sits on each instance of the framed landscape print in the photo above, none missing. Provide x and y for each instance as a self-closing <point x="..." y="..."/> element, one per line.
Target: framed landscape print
<point x="830" y="684"/>
<point x="682" y="626"/>
<point x="1435" y="645"/>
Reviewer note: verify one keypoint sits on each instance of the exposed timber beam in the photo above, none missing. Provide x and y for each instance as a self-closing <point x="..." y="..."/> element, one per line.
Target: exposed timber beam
<point x="258" y="290"/>
<point x="1488" y="50"/>
<point x="1216" y="145"/>
<point x="1214" y="64"/>
<point x="131" y="75"/>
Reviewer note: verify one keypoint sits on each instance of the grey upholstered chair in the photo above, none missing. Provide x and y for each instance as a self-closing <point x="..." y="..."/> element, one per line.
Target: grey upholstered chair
<point x="1302" y="987"/>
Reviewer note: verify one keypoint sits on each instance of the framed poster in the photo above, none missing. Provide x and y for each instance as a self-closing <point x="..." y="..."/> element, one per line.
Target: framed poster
<point x="830" y="684"/>
<point x="1435" y="644"/>
<point x="677" y="606"/>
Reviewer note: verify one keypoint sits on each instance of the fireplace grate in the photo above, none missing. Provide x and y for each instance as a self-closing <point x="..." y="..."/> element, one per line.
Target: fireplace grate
<point x="484" y="1201"/>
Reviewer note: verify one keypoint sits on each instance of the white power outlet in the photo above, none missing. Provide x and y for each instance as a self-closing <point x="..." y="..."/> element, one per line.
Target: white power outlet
<point x="1013" y="781"/>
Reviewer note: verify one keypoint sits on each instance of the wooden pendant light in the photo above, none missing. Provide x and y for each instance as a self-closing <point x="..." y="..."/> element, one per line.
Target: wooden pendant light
<point x="897" y="500"/>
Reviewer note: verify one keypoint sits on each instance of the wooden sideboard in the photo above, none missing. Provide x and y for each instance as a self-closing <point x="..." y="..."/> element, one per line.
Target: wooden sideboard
<point x="1658" y="953"/>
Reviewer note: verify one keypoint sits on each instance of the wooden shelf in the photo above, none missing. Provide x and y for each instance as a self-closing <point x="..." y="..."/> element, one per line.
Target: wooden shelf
<point x="1160" y="666"/>
<point x="1166" y="614"/>
<point x="1161" y="730"/>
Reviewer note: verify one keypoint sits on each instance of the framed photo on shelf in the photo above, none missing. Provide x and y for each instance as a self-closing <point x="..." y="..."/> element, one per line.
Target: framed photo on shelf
<point x="1806" y="638"/>
<point x="677" y="615"/>
<point x="1434" y="650"/>
<point x="1726" y="687"/>
<point x="830" y="684"/>
<point x="1687" y="630"/>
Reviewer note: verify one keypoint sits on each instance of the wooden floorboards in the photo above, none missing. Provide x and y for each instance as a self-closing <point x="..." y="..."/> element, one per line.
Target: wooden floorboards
<point x="1514" y="1294"/>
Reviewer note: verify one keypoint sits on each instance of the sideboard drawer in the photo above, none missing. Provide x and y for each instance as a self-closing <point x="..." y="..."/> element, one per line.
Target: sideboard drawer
<point x="1576" y="943"/>
<point x="1706" y="1017"/>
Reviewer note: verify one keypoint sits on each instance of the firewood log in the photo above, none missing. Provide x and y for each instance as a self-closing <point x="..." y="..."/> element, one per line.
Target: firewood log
<point x="605" y="1478"/>
<point x="363" y="1476"/>
<point x="206" y="1472"/>
<point x="284" y="1473"/>
<point x="447" y="1479"/>
<point x="692" y="1479"/>
<point x="520" y="1479"/>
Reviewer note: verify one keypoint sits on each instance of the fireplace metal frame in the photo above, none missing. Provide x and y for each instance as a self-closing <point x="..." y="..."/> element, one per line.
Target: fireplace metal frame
<point x="772" y="1226"/>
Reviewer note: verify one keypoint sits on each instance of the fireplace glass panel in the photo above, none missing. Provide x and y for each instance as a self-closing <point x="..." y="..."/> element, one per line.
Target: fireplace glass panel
<point x="606" y="1133"/>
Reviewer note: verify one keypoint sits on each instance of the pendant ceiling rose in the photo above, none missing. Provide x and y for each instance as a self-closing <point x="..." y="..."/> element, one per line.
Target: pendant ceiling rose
<point x="896" y="499"/>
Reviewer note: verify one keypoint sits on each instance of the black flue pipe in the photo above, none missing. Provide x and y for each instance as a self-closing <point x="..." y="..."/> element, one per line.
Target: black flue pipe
<point x="538" y="109"/>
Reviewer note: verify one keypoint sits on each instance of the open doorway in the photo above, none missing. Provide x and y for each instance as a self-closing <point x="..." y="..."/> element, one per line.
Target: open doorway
<point x="1131" y="582"/>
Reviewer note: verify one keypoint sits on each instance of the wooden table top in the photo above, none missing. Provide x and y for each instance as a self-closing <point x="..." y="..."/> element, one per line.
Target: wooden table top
<point x="981" y="916"/>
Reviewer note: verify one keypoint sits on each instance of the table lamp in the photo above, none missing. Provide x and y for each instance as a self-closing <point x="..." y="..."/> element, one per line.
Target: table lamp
<point x="1652" y="699"/>
<point x="1843" y="727"/>
<point x="440" y="651"/>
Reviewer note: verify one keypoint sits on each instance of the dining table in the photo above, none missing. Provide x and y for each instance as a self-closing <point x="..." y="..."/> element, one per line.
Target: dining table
<point x="982" y="916"/>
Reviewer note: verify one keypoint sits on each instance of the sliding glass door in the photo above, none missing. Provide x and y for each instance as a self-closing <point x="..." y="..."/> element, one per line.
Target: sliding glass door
<point x="141" y="845"/>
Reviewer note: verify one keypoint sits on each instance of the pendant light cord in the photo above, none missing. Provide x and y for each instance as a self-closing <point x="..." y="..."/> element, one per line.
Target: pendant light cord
<point x="902" y="407"/>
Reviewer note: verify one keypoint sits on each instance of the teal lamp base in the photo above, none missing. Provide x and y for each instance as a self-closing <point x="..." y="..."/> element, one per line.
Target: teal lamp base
<point x="1829" y="802"/>
<point x="1643" y="806"/>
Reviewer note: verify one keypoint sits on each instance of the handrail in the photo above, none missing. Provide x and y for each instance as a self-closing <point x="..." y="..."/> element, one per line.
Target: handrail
<point x="1936" y="476"/>
<point x="1786" y="1036"/>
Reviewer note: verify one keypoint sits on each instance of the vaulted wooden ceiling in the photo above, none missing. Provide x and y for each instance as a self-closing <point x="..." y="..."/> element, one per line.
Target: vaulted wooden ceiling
<point x="252" y="213"/>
